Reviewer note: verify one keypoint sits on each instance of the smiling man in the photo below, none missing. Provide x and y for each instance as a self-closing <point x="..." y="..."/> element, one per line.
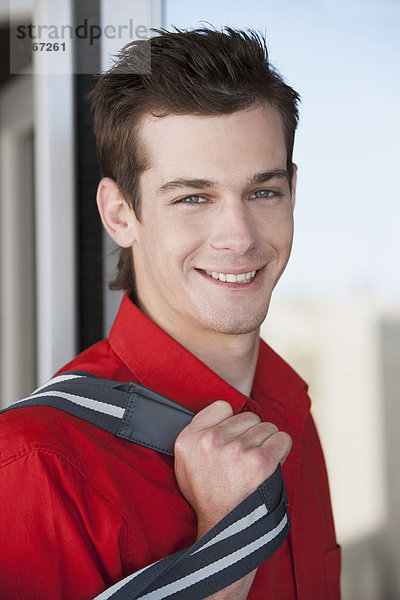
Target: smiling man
<point x="215" y="230"/>
<point x="198" y="191"/>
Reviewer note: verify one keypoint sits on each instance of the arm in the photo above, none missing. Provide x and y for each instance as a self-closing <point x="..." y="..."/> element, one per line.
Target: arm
<point x="219" y="460"/>
<point x="236" y="591"/>
<point x="47" y="531"/>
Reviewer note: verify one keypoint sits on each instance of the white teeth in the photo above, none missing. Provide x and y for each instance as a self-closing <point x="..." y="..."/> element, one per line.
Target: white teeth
<point x="232" y="278"/>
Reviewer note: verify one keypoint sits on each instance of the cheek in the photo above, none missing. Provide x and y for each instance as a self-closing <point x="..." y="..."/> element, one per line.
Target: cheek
<point x="287" y="231"/>
<point x="279" y="230"/>
<point x="170" y="243"/>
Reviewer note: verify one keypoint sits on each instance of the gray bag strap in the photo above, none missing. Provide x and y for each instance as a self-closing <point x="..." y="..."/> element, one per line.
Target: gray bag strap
<point x="239" y="543"/>
<point x="245" y="538"/>
<point x="128" y="410"/>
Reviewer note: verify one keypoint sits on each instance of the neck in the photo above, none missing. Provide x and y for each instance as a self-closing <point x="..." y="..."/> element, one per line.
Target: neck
<point x="232" y="357"/>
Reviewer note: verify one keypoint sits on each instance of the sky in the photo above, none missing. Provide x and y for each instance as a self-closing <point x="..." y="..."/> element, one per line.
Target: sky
<point x="343" y="59"/>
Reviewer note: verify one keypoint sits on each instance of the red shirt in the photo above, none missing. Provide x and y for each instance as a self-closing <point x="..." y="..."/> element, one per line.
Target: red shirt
<point x="81" y="509"/>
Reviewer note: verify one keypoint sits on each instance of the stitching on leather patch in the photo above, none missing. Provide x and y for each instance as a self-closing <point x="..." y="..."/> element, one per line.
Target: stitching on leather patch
<point x="151" y="446"/>
<point x="266" y="496"/>
<point x="125" y="431"/>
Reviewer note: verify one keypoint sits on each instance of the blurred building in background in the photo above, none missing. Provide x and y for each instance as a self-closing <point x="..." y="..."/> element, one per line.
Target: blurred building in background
<point x="349" y="353"/>
<point x="55" y="260"/>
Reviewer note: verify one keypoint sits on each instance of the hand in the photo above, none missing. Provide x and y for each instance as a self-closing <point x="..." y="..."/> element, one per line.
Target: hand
<point x="220" y="458"/>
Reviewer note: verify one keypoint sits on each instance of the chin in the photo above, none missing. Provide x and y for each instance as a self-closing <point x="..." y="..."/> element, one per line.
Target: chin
<point x="234" y="323"/>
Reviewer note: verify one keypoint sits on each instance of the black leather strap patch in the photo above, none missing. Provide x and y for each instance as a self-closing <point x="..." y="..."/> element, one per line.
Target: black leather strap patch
<point x="152" y="420"/>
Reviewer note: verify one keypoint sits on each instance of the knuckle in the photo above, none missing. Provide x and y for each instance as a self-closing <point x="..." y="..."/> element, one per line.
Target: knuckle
<point x="222" y="404"/>
<point x="248" y="414"/>
<point x="278" y="446"/>
<point x="250" y="418"/>
<point x="212" y="414"/>
<point x="262" y="463"/>
<point x="285" y="441"/>
<point x="222" y="408"/>
<point x="268" y="459"/>
<point x="181" y="443"/>
<point x="209" y="439"/>
<point x="267" y="429"/>
<point x="271" y="427"/>
<point x="235" y="447"/>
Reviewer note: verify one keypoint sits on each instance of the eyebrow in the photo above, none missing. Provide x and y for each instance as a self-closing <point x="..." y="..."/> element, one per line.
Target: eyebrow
<point x="201" y="184"/>
<point x="267" y="175"/>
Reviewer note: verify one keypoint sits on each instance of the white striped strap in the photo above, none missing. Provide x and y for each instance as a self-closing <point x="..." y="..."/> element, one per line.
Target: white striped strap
<point x="128" y="410"/>
<point x="235" y="546"/>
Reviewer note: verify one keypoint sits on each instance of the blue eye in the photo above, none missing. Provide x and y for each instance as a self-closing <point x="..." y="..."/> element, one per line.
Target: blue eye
<point x="262" y="194"/>
<point x="194" y="199"/>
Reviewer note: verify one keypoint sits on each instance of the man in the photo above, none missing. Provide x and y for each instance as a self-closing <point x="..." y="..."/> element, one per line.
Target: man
<point x="198" y="191"/>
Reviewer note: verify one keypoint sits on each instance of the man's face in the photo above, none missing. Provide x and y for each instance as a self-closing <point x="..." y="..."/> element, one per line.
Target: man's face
<point x="216" y="223"/>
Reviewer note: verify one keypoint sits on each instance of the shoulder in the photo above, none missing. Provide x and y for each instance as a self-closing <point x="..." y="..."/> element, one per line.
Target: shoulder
<point x="50" y="432"/>
<point x="62" y="452"/>
<point x="100" y="360"/>
<point x="277" y="370"/>
<point x="53" y="506"/>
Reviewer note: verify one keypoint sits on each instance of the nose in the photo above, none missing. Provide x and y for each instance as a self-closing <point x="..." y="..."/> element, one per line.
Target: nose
<point x="234" y="228"/>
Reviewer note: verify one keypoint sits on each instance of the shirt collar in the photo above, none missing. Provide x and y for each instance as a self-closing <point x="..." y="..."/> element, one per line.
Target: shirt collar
<point x="160" y="363"/>
<point x="284" y="389"/>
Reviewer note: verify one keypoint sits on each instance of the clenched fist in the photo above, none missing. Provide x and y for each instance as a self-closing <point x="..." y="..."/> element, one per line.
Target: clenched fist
<point x="220" y="458"/>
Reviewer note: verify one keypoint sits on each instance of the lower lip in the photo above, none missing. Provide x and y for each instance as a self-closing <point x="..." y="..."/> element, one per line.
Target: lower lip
<point x="236" y="287"/>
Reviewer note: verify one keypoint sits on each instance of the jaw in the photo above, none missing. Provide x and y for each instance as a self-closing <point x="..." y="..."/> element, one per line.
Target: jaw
<point x="226" y="307"/>
<point x="233" y="319"/>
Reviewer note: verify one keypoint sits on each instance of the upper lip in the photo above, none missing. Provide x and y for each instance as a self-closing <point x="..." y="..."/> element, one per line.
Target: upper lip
<point x="232" y="271"/>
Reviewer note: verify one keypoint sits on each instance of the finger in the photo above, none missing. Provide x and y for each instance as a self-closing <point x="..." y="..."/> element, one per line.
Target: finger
<point x="237" y="425"/>
<point x="257" y="434"/>
<point x="278" y="446"/>
<point x="211" y="416"/>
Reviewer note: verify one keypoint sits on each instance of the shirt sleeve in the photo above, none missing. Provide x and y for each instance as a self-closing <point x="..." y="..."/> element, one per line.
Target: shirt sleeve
<point x="60" y="537"/>
<point x="61" y="541"/>
<point x="239" y="543"/>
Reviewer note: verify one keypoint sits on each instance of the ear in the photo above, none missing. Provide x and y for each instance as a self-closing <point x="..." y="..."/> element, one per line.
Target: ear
<point x="117" y="216"/>
<point x="294" y="182"/>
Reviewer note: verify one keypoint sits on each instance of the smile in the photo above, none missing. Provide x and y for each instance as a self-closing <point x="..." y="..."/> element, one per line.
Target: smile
<point x="232" y="277"/>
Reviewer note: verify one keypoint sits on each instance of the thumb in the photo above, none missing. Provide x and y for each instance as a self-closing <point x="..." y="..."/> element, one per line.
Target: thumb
<point x="212" y="415"/>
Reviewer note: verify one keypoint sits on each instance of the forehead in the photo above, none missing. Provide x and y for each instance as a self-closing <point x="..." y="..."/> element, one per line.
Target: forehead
<point x="221" y="148"/>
